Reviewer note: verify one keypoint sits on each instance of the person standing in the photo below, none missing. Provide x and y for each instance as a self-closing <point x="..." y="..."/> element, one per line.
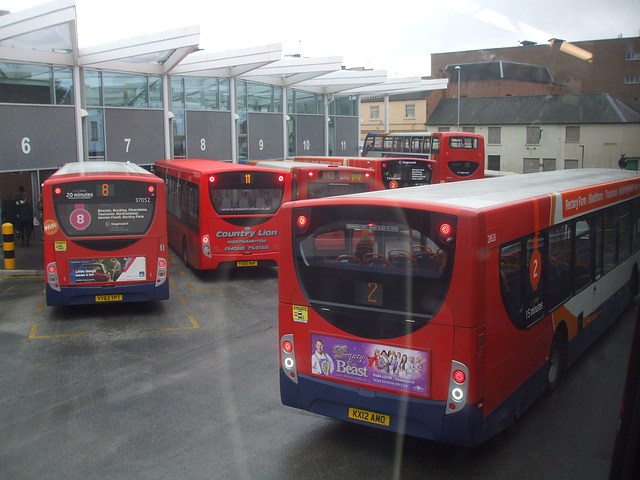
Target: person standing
<point x="24" y="214"/>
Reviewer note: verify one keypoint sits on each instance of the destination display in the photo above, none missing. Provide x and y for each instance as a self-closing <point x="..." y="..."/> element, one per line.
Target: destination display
<point x="99" y="208"/>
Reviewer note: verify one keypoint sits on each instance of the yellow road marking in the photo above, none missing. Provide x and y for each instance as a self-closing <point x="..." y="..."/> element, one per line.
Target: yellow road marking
<point x="182" y="300"/>
<point x="41" y="306"/>
<point x="34" y="329"/>
<point x="194" y="325"/>
<point x="173" y="285"/>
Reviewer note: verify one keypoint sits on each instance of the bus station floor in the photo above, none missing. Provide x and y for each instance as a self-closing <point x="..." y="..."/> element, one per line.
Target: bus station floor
<point x="28" y="260"/>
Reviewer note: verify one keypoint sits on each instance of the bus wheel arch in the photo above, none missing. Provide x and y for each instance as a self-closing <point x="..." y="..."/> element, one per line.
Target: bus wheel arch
<point x="557" y="361"/>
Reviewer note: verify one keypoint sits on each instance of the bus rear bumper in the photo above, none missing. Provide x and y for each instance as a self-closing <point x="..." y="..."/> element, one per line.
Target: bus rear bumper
<point x="412" y="416"/>
<point x="83" y="295"/>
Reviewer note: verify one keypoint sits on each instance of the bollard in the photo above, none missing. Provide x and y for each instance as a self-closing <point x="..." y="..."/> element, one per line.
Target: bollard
<point x="8" y="246"/>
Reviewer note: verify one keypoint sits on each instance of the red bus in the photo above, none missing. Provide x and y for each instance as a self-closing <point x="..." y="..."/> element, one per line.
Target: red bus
<point x="389" y="172"/>
<point x="459" y="155"/>
<point x="221" y="213"/>
<point x="445" y="312"/>
<point x="105" y="234"/>
<point x="317" y="181"/>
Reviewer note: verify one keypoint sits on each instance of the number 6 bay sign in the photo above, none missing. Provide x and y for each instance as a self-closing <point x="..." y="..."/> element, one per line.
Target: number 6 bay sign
<point x="36" y="137"/>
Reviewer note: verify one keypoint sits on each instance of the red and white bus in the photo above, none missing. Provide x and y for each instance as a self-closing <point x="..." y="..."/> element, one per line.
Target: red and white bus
<point x="390" y="172"/>
<point x="223" y="214"/>
<point x="105" y="234"/>
<point x="445" y="312"/>
<point x="459" y="155"/>
<point x="318" y="181"/>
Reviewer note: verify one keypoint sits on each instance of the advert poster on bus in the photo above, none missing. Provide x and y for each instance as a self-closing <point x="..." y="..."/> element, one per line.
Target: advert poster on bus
<point x="112" y="269"/>
<point x="374" y="364"/>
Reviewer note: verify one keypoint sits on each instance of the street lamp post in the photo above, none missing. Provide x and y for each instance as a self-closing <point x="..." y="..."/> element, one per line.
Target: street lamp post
<point x="458" y="69"/>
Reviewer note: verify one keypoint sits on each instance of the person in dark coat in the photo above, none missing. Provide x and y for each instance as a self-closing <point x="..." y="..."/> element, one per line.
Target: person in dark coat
<point x="24" y="213"/>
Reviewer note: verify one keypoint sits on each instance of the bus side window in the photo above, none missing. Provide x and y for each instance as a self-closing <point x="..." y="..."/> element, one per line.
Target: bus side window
<point x="510" y="276"/>
<point x="582" y="259"/>
<point x="559" y="270"/>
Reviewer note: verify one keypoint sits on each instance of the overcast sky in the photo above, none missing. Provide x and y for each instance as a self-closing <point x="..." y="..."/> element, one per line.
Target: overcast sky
<point x="396" y="36"/>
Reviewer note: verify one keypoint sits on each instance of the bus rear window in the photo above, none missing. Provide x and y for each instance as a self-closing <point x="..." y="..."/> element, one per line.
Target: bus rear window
<point x="374" y="272"/>
<point x="331" y="189"/>
<point x="468" y="143"/>
<point x="96" y="208"/>
<point x="246" y="192"/>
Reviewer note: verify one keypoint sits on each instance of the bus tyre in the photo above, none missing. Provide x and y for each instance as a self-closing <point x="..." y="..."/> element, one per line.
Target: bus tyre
<point x="185" y="257"/>
<point x="556" y="360"/>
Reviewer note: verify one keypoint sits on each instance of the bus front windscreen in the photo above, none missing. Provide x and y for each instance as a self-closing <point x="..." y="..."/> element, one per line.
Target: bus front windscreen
<point x="405" y="173"/>
<point x="246" y="192"/>
<point x="104" y="208"/>
<point x="373" y="272"/>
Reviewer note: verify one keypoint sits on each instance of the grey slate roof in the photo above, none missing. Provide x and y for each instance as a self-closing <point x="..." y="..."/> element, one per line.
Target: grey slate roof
<point x="551" y="109"/>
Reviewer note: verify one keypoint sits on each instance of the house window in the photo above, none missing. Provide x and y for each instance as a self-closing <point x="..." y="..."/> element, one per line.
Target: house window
<point x="533" y="135"/>
<point x="469" y="129"/>
<point x="374" y="112"/>
<point x="410" y="110"/>
<point x="493" y="162"/>
<point x="570" y="163"/>
<point x="495" y="136"/>
<point x="444" y="129"/>
<point x="633" y="56"/>
<point x="572" y="134"/>
<point x="632" y="79"/>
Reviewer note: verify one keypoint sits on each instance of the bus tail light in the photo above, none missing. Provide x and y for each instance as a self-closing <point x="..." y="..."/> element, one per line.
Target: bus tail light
<point x="52" y="277"/>
<point x="288" y="357"/>
<point x="206" y="246"/>
<point x="161" y="271"/>
<point x="281" y="178"/>
<point x="458" y="387"/>
<point x="302" y="217"/>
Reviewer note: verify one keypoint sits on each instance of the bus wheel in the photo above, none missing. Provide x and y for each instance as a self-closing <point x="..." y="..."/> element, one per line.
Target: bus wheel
<point x="185" y="256"/>
<point x="556" y="360"/>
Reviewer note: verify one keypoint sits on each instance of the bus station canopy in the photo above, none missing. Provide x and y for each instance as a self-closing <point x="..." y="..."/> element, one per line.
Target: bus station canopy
<point x="48" y="34"/>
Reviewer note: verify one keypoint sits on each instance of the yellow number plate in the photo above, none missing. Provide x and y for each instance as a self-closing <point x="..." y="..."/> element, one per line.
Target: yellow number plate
<point x="370" y="417"/>
<point x="248" y="263"/>
<point x="108" y="298"/>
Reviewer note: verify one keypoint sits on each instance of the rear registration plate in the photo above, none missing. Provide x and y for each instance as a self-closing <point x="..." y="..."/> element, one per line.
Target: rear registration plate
<point x="247" y="263"/>
<point x="108" y="298"/>
<point x="370" y="417"/>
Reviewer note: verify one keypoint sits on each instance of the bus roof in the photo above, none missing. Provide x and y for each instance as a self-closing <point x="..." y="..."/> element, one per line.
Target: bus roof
<point x="487" y="193"/>
<point x="289" y="165"/>
<point x="84" y="168"/>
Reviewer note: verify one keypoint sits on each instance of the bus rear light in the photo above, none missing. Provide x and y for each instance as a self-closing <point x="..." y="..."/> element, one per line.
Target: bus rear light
<point x="52" y="277"/>
<point x="302" y="221"/>
<point x="212" y="178"/>
<point x="458" y="387"/>
<point x="445" y="229"/>
<point x="287" y="354"/>
<point x="459" y="376"/>
<point x="151" y="189"/>
<point x="310" y="174"/>
<point x="57" y="190"/>
<point x="161" y="271"/>
<point x="206" y="247"/>
<point x="281" y="178"/>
